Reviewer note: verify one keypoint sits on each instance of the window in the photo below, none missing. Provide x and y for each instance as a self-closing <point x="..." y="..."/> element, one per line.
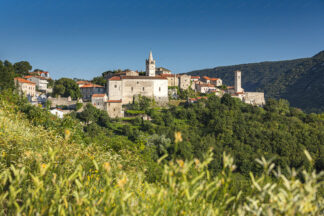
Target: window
<point x="137" y="82"/>
<point x="115" y="86"/>
<point x="132" y="88"/>
<point x="143" y="89"/>
<point x="159" y="88"/>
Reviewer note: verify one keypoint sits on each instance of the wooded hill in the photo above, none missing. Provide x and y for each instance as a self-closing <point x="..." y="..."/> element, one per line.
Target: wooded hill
<point x="301" y="81"/>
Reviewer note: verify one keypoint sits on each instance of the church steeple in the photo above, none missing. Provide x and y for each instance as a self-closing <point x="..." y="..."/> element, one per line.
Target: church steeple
<point x="150" y="65"/>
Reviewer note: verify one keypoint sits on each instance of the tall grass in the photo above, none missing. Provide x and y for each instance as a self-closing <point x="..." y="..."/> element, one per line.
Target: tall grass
<point x="43" y="173"/>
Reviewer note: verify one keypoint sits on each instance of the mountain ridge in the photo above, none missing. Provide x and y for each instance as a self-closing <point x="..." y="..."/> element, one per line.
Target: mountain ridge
<point x="297" y="80"/>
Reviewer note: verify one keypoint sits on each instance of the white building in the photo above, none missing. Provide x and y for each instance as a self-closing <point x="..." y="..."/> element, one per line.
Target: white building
<point x="27" y="88"/>
<point x="41" y="82"/>
<point x="57" y="112"/>
<point x="99" y="101"/>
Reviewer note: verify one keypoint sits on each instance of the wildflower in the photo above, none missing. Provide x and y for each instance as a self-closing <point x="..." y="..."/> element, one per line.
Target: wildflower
<point x="122" y="182"/>
<point x="178" y="137"/>
<point x="3" y="154"/>
<point x="181" y="163"/>
<point x="43" y="166"/>
<point x="107" y="166"/>
<point x="67" y="134"/>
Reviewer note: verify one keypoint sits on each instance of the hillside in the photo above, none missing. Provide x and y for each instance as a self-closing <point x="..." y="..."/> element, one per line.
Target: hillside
<point x="300" y="80"/>
<point x="46" y="168"/>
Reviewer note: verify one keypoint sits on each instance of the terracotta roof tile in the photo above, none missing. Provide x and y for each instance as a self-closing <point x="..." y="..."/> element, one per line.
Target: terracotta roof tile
<point x="91" y="86"/>
<point x="98" y="95"/>
<point x="115" y="78"/>
<point x="21" y="80"/>
<point x="114" y="101"/>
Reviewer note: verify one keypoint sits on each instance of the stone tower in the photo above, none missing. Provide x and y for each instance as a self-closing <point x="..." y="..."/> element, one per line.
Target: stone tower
<point x="150" y="65"/>
<point x="237" y="81"/>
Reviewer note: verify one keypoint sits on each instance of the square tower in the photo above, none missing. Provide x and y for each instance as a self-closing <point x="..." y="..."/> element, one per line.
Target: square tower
<point x="237" y="81"/>
<point x="150" y="65"/>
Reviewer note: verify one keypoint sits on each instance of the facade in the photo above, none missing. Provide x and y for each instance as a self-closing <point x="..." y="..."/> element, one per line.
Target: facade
<point x="114" y="108"/>
<point x="184" y="81"/>
<point x="26" y="87"/>
<point x="126" y="88"/>
<point x="87" y="90"/>
<point x="82" y="83"/>
<point x="213" y="81"/>
<point x="205" y="88"/>
<point x="41" y="82"/>
<point x="99" y="101"/>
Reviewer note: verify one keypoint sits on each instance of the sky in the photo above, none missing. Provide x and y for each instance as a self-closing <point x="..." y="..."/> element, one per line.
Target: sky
<point x="83" y="38"/>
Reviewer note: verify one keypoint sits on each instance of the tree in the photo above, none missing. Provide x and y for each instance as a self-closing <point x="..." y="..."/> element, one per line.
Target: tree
<point x="66" y="87"/>
<point x="99" y="80"/>
<point x="6" y="75"/>
<point x="22" y="68"/>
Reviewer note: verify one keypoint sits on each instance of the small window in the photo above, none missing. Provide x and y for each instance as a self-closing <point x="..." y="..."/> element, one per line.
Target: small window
<point x="132" y="88"/>
<point x="137" y="82"/>
<point x="115" y="86"/>
<point x="159" y="88"/>
<point x="114" y="109"/>
<point x="143" y="89"/>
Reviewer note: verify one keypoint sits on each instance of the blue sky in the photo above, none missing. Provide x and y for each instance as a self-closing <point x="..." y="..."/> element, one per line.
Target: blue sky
<point x="83" y="38"/>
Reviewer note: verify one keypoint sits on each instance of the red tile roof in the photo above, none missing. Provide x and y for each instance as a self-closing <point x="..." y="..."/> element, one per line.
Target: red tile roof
<point x="114" y="101"/>
<point x="21" y="80"/>
<point x="210" y="78"/>
<point x="142" y="77"/>
<point x="206" y="85"/>
<point x="91" y="86"/>
<point x="115" y="78"/>
<point x="195" y="77"/>
<point x="39" y="77"/>
<point x="98" y="95"/>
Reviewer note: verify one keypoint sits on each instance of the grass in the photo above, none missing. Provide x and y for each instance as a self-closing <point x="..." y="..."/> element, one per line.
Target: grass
<point x="43" y="173"/>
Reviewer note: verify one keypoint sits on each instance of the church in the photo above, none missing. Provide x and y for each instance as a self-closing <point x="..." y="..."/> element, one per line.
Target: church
<point x="124" y="87"/>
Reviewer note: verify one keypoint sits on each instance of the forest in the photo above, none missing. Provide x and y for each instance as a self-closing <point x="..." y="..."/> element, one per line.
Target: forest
<point x="299" y="80"/>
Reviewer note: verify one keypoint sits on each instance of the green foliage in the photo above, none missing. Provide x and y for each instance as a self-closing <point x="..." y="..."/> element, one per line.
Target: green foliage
<point x="78" y="106"/>
<point x="7" y="75"/>
<point x="299" y="81"/>
<point x="100" y="80"/>
<point x="66" y="87"/>
<point x="22" y="68"/>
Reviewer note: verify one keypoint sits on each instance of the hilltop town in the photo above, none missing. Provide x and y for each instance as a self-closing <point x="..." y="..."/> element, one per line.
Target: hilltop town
<point x="124" y="87"/>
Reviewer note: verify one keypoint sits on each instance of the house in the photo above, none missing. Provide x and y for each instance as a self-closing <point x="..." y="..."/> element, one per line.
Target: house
<point x="213" y="81"/>
<point x="162" y="70"/>
<point x="82" y="83"/>
<point x="26" y="87"/>
<point x="41" y="82"/>
<point x="87" y="90"/>
<point x="205" y="88"/>
<point x="99" y="101"/>
<point x="44" y="74"/>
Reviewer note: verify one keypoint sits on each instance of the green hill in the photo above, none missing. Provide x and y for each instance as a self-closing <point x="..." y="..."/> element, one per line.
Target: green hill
<point x="300" y="80"/>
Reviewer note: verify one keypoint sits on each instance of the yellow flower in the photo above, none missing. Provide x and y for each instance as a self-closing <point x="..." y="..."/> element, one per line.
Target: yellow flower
<point x="178" y="137"/>
<point x="180" y="162"/>
<point x="43" y="166"/>
<point x="3" y="154"/>
<point x="107" y="166"/>
<point x="67" y="134"/>
<point x="122" y="182"/>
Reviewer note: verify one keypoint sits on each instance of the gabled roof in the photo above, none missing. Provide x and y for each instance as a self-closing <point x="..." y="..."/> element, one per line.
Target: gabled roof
<point x="98" y="95"/>
<point x="210" y="78"/>
<point x="91" y="86"/>
<point x="21" y="80"/>
<point x="115" y="78"/>
<point x="38" y="77"/>
<point x="83" y="82"/>
<point x="163" y="69"/>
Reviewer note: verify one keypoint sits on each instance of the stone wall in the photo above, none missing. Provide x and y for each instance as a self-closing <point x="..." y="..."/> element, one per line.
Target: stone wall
<point x="114" y="109"/>
<point x="254" y="98"/>
<point x="184" y="81"/>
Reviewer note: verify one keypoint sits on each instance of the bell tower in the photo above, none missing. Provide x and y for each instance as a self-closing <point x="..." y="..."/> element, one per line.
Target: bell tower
<point x="150" y="65"/>
<point x="237" y="81"/>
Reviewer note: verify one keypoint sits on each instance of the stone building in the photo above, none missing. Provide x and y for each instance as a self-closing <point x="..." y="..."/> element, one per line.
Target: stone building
<point x="26" y="87"/>
<point x="87" y="90"/>
<point x="41" y="82"/>
<point x="184" y="81"/>
<point x="213" y="81"/>
<point x="162" y="70"/>
<point x="114" y="108"/>
<point x="205" y="88"/>
<point x="254" y="98"/>
<point x="99" y="101"/>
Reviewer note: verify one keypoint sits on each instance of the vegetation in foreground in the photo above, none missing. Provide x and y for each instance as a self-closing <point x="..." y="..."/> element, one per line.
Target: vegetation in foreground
<point x="47" y="167"/>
